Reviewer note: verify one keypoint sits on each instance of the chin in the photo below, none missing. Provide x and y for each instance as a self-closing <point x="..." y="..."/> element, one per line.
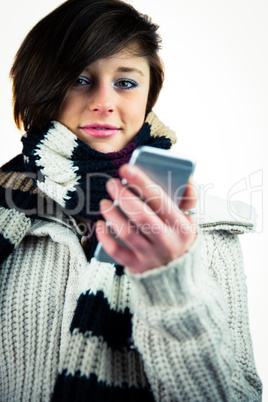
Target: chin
<point x="105" y="148"/>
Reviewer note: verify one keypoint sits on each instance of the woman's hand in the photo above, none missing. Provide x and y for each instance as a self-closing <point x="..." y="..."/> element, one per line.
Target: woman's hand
<point x="155" y="230"/>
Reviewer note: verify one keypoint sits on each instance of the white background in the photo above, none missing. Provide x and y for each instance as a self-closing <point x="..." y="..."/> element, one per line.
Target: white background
<point x="216" y="99"/>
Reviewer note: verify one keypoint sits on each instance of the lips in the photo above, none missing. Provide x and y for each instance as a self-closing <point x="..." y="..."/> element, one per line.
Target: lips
<point x="100" y="130"/>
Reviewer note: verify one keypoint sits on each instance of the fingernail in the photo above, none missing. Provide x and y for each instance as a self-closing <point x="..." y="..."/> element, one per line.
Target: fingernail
<point x="104" y="203"/>
<point x="128" y="170"/>
<point x="110" y="184"/>
<point x="131" y="170"/>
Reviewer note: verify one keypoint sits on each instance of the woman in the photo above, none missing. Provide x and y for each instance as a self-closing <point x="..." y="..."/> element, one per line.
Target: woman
<point x="169" y="322"/>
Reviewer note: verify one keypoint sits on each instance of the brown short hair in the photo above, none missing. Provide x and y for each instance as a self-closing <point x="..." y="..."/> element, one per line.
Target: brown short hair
<point x="65" y="42"/>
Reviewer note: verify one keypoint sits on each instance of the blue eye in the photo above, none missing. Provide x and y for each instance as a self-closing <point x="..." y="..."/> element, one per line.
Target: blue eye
<point x="82" y="81"/>
<point x="125" y="84"/>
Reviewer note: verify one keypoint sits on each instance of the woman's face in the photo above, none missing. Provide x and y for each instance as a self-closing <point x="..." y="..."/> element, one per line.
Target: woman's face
<point x="106" y="106"/>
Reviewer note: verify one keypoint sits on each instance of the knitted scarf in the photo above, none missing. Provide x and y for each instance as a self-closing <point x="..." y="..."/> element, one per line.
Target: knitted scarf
<point x="54" y="167"/>
<point x="74" y="175"/>
<point x="44" y="180"/>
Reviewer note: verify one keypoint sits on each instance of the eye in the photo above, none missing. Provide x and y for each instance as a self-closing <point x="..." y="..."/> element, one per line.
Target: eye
<point x="82" y="81"/>
<point x="125" y="84"/>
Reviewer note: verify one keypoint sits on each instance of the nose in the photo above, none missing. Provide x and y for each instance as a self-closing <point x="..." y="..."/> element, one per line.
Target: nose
<point x="102" y="100"/>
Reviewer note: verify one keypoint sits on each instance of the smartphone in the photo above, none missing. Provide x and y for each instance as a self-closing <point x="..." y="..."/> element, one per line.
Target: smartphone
<point x="168" y="169"/>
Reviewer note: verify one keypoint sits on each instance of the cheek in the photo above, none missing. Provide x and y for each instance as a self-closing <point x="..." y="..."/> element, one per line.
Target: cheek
<point x="139" y="108"/>
<point x="69" y="111"/>
<point x="136" y="117"/>
<point x="64" y="110"/>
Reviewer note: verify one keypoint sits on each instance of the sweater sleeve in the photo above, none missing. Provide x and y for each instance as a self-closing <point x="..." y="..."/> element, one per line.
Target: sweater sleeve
<point x="191" y="325"/>
<point x="13" y="227"/>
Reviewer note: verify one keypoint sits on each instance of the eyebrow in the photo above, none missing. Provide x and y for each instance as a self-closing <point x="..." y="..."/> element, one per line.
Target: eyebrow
<point x="129" y="70"/>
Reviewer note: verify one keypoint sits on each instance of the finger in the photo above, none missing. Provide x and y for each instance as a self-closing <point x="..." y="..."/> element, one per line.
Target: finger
<point x="137" y="262"/>
<point x="159" y="234"/>
<point x="138" y="214"/>
<point x="190" y="197"/>
<point x="135" y="209"/>
<point x="119" y="253"/>
<point x="128" y="231"/>
<point x="153" y="194"/>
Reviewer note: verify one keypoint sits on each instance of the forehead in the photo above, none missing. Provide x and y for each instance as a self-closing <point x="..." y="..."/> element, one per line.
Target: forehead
<point x="125" y="60"/>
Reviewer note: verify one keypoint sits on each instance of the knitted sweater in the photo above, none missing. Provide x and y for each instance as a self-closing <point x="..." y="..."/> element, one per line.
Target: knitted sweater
<point x="75" y="329"/>
<point x="190" y="338"/>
